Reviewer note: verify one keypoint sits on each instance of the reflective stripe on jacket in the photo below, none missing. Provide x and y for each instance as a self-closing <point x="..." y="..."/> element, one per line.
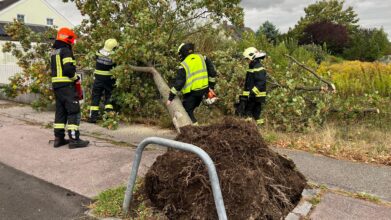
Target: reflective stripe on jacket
<point x="104" y="64"/>
<point x="57" y="73"/>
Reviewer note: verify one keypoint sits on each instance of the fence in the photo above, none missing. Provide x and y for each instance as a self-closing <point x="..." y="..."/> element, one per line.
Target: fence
<point x="8" y="70"/>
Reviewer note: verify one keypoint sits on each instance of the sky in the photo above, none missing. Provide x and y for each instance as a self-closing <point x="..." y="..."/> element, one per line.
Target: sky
<point x="282" y="13"/>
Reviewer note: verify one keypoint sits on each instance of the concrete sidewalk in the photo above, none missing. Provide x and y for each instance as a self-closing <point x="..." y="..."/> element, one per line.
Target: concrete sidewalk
<point x="129" y="134"/>
<point x="86" y="171"/>
<point x="334" y="206"/>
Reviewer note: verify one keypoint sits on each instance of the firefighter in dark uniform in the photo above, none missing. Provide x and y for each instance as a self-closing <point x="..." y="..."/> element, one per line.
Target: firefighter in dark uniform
<point x="64" y="77"/>
<point x="254" y="93"/>
<point x="104" y="81"/>
<point x="196" y="77"/>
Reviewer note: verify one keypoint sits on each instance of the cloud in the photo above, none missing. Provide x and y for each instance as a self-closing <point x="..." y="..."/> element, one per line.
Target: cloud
<point x="264" y="4"/>
<point x="69" y="10"/>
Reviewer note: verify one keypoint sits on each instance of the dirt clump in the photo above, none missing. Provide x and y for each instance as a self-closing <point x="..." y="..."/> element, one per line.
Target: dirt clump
<point x="256" y="182"/>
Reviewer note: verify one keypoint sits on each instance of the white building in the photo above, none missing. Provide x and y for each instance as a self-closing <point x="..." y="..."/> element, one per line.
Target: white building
<point x="36" y="14"/>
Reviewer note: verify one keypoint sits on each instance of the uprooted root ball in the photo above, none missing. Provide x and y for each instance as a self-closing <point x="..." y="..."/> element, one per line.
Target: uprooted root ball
<point x="256" y="182"/>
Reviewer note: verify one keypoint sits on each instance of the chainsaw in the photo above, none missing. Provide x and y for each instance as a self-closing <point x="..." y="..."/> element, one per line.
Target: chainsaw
<point x="212" y="97"/>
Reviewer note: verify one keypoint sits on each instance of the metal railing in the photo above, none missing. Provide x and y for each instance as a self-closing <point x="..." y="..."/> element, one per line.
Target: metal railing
<point x="218" y="197"/>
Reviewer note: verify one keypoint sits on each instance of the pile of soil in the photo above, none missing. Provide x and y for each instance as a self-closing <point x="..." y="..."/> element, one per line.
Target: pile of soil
<point x="256" y="182"/>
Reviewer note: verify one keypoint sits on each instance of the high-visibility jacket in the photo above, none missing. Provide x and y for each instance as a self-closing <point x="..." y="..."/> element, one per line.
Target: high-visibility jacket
<point x="256" y="77"/>
<point x="103" y="64"/>
<point x="186" y="77"/>
<point x="63" y="65"/>
<point x="196" y="73"/>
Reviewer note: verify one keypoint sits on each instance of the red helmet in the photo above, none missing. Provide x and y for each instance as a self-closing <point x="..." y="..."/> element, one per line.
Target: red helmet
<point x="66" y="35"/>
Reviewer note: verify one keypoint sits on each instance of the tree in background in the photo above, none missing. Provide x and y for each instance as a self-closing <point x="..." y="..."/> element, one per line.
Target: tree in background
<point x="269" y="30"/>
<point x="368" y="45"/>
<point x="334" y="36"/>
<point x="326" y="10"/>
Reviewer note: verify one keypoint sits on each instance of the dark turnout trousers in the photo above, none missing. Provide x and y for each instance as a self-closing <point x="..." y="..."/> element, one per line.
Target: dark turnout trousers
<point x="254" y="108"/>
<point x="192" y="100"/>
<point x="103" y="86"/>
<point x="67" y="112"/>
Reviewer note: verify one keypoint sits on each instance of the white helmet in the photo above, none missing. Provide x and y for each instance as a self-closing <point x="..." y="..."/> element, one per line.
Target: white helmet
<point x="252" y="53"/>
<point x="110" y="45"/>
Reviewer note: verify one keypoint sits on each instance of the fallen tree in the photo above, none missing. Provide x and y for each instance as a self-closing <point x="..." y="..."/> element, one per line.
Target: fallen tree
<point x="178" y="114"/>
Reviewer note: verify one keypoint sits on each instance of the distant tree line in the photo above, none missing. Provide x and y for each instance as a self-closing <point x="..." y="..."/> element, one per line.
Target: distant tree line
<point x="326" y="23"/>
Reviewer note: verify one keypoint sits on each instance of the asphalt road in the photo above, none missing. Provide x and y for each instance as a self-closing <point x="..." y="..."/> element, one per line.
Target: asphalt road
<point x="26" y="197"/>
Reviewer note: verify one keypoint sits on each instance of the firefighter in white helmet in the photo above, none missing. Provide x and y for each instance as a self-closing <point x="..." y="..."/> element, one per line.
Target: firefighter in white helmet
<point x="103" y="79"/>
<point x="253" y="97"/>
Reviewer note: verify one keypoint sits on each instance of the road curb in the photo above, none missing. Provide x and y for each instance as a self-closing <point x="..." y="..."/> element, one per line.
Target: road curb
<point x="304" y="207"/>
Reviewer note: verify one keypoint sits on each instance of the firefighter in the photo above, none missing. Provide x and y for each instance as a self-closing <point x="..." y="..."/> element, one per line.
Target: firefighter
<point x="64" y="77"/>
<point x="104" y="81"/>
<point x="253" y="97"/>
<point x="196" y="78"/>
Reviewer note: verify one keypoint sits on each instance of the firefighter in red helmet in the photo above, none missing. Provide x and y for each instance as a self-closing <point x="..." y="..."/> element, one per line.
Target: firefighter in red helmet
<point x="64" y="78"/>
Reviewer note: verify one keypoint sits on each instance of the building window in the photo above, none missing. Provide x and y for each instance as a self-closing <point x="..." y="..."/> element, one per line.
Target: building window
<point x="20" y="17"/>
<point x="49" y="21"/>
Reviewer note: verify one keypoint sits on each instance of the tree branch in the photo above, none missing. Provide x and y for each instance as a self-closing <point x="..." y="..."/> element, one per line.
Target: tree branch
<point x="303" y="88"/>
<point x="331" y="86"/>
<point x="358" y="111"/>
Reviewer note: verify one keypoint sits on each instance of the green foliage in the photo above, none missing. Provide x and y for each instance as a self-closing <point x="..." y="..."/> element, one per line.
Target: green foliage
<point x="33" y="59"/>
<point x="368" y="45"/>
<point x="326" y="10"/>
<point x="110" y="120"/>
<point x="319" y="53"/>
<point x="148" y="32"/>
<point x="269" y="30"/>
<point x="287" y="108"/>
<point x="109" y="204"/>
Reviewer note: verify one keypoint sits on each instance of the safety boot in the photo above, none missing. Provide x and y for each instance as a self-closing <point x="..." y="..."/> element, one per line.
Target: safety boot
<point x="77" y="143"/>
<point x="58" y="142"/>
<point x="92" y="120"/>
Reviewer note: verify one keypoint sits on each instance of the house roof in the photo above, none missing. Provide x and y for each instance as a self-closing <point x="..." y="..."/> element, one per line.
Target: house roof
<point x="34" y="28"/>
<point x="236" y="32"/>
<point x="5" y="3"/>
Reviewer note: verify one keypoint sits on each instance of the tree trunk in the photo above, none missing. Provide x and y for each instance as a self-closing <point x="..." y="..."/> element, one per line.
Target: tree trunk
<point x="179" y="116"/>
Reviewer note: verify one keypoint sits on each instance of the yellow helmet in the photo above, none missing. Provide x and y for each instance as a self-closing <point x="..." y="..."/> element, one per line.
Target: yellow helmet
<point x="110" y="44"/>
<point x="252" y="53"/>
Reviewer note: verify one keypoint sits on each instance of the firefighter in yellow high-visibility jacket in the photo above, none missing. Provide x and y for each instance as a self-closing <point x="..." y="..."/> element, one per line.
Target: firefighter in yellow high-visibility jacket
<point x="196" y="78"/>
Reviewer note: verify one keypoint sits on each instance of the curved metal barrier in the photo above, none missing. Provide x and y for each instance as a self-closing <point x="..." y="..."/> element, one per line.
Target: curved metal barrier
<point x="218" y="197"/>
